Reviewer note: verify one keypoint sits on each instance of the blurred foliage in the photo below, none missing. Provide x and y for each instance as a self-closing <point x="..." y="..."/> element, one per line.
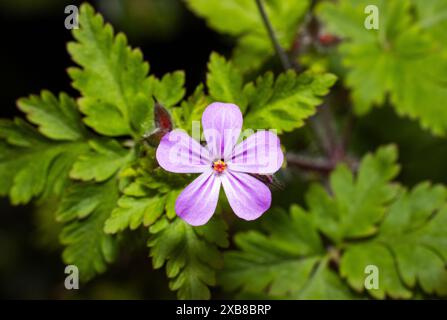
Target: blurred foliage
<point x="391" y="60"/>
<point x="23" y="6"/>
<point x="241" y="18"/>
<point x="157" y="19"/>
<point x="409" y="246"/>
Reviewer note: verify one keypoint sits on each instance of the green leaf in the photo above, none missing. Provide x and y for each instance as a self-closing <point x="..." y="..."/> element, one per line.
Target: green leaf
<point x="56" y="119"/>
<point x="84" y="209"/>
<point x="132" y="212"/>
<point x="402" y="233"/>
<point x="170" y="89"/>
<point x="103" y="117"/>
<point x="358" y="203"/>
<point x="170" y="203"/>
<point x="290" y="262"/>
<point x="190" y="253"/>
<point x="105" y="159"/>
<point x="31" y="163"/>
<point x="325" y="284"/>
<point x="113" y="78"/>
<point x="224" y="81"/>
<point x="432" y="16"/>
<point x="146" y="180"/>
<point x="284" y="104"/>
<point x="358" y="257"/>
<point x="241" y="18"/>
<point x="252" y="51"/>
<point x="147" y="194"/>
<point x="392" y="60"/>
<point x="409" y="249"/>
<point x="191" y="109"/>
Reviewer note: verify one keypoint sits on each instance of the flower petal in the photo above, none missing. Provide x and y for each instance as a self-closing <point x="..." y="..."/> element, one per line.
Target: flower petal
<point x="178" y="152"/>
<point x="222" y="123"/>
<point x="197" y="202"/>
<point x="248" y="197"/>
<point x="260" y="153"/>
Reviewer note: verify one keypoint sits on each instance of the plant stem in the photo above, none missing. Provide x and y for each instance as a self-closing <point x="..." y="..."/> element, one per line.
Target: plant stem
<point x="347" y="131"/>
<point x="312" y="164"/>
<point x="279" y="50"/>
<point x="323" y="125"/>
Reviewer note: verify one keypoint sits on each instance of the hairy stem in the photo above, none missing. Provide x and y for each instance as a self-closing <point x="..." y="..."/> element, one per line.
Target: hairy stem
<point x="323" y="124"/>
<point x="311" y="164"/>
<point x="285" y="61"/>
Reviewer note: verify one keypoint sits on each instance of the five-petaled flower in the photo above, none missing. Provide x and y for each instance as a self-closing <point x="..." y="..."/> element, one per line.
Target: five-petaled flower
<point x="222" y="162"/>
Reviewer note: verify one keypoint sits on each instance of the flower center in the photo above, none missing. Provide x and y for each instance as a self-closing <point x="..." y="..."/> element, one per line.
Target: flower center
<point x="219" y="166"/>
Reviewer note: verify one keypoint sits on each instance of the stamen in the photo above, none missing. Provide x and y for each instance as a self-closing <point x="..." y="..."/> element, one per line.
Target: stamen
<point x="219" y="166"/>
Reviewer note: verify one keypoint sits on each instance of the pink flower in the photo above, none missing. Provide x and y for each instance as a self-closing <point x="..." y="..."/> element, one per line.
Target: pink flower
<point x="222" y="162"/>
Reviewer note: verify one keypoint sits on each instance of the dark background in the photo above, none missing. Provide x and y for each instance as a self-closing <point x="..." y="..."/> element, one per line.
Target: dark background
<point x="33" y="57"/>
